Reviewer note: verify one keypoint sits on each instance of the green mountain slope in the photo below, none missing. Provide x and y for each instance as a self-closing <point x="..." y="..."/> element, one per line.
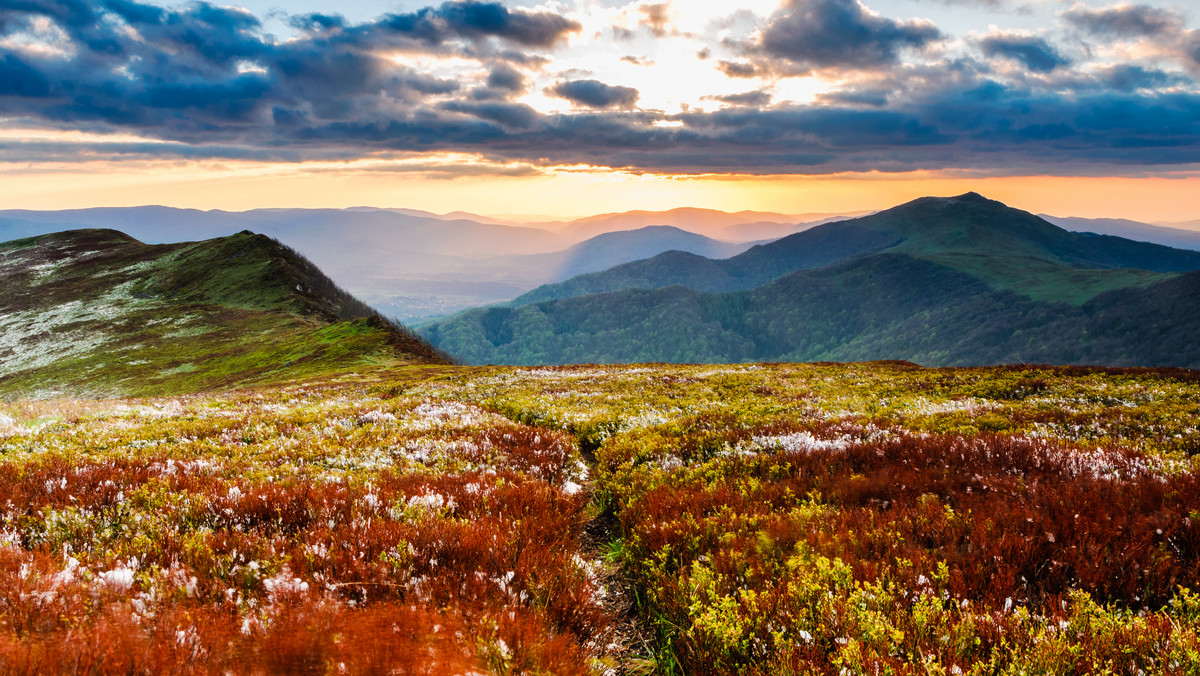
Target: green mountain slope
<point x="98" y="312"/>
<point x="1006" y="248"/>
<point x="889" y="306"/>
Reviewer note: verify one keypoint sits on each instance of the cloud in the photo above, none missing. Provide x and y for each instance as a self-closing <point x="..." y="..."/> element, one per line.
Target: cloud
<point x="204" y="33"/>
<point x="1035" y="53"/>
<point x="1127" y="78"/>
<point x="656" y="17"/>
<point x="476" y="20"/>
<point x="595" y="94"/>
<point x="816" y="34"/>
<point x="1124" y="20"/>
<point x="1159" y="30"/>
<point x="136" y="13"/>
<point x="199" y="80"/>
<point x="757" y="98"/>
<point x="987" y="4"/>
<point x="736" y="69"/>
<point x="851" y="97"/>
<point x="506" y="77"/>
<point x="316" y="23"/>
<point x="511" y="115"/>
<point x="622" y="34"/>
<point x="18" y="78"/>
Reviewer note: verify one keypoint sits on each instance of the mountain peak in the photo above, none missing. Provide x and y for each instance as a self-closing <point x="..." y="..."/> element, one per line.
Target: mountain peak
<point x="967" y="199"/>
<point x="975" y="197"/>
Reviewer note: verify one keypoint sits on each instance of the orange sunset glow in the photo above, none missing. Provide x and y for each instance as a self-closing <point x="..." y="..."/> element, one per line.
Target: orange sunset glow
<point x="575" y="192"/>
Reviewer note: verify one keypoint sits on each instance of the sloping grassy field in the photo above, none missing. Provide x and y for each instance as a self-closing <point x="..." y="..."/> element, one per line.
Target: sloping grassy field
<point x="98" y="313"/>
<point x="772" y="519"/>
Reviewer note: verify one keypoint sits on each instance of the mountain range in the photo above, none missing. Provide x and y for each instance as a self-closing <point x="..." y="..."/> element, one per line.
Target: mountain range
<point x="414" y="265"/>
<point x="96" y="312"/>
<point x="962" y="280"/>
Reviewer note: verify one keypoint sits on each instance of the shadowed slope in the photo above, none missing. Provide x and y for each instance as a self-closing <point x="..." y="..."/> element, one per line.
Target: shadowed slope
<point x="887" y="306"/>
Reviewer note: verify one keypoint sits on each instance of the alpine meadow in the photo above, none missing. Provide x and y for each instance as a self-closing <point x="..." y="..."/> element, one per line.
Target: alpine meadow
<point x="600" y="337"/>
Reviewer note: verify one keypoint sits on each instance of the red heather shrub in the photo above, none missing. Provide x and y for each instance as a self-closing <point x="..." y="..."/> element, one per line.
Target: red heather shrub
<point x="1014" y="521"/>
<point x="407" y="573"/>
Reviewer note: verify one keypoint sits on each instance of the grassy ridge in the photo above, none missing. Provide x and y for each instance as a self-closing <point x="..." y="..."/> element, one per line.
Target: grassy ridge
<point x="100" y="313"/>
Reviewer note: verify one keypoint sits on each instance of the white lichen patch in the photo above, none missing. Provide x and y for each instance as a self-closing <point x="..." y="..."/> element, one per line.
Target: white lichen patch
<point x="36" y="338"/>
<point x="189" y="332"/>
<point x="32" y="339"/>
<point x="447" y="415"/>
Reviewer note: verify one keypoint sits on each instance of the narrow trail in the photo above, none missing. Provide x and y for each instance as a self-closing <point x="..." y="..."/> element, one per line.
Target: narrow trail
<point x="626" y="646"/>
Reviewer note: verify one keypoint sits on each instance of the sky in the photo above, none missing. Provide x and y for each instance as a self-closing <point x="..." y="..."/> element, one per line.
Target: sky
<point x="572" y="107"/>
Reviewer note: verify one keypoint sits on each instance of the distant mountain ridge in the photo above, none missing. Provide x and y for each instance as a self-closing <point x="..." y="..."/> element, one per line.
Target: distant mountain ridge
<point x="413" y="264"/>
<point x="958" y="280"/>
<point x="96" y="311"/>
<point x="1120" y="227"/>
<point x="708" y="222"/>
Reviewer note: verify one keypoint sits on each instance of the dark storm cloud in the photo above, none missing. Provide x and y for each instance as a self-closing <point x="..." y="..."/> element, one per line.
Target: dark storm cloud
<point x="1125" y="20"/>
<point x="595" y="94"/>
<point x="840" y="34"/>
<point x="1035" y="53"/>
<point x="200" y="72"/>
<point x="204" y="81"/>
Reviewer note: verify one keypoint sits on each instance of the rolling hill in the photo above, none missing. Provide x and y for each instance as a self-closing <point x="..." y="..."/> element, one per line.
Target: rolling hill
<point x="961" y="280"/>
<point x="610" y="249"/>
<point x="1180" y="238"/>
<point x="98" y="312"/>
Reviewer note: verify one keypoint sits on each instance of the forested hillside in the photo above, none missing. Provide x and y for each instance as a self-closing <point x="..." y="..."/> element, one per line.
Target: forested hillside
<point x="938" y="281"/>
